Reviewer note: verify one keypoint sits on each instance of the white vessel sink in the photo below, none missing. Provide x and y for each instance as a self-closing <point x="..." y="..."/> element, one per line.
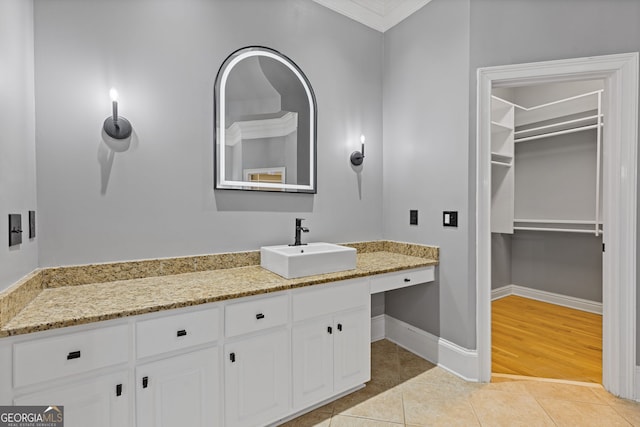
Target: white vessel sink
<point x="291" y="262"/>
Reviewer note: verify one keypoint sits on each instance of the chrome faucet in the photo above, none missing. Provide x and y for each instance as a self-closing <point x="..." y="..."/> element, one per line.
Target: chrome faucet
<point x="299" y="229"/>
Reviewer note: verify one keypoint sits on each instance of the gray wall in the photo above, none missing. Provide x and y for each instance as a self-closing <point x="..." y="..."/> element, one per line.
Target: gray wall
<point x="17" y="139"/>
<point x="426" y="91"/>
<point x="518" y="31"/>
<point x="155" y="198"/>
<point x="501" y="272"/>
<point x="563" y="263"/>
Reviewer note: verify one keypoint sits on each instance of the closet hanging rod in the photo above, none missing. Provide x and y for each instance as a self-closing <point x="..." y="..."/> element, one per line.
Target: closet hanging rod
<point x="564" y="230"/>
<point x="559" y="221"/>
<point x="549" y="103"/>
<point x="560" y="132"/>
<point x="568" y="122"/>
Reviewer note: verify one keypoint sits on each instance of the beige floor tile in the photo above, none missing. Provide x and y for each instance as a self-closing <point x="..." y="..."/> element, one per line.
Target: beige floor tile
<point x="629" y="410"/>
<point x="311" y="419"/>
<point x="511" y="386"/>
<point x="566" y="413"/>
<point x="373" y="402"/>
<point x="412" y="366"/>
<point x="438" y="384"/>
<point x="347" y="421"/>
<point x="551" y="390"/>
<point x="501" y="408"/>
<point x="436" y="412"/>
<point x="384" y="347"/>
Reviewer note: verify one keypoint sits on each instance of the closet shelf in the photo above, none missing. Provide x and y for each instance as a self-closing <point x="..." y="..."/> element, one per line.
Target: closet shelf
<point x="556" y="133"/>
<point x="501" y="159"/>
<point x="563" y="230"/>
<point x="500" y="127"/>
<point x="563" y="225"/>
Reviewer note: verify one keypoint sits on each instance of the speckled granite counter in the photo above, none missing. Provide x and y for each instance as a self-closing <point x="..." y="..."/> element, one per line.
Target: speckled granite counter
<point x="38" y="305"/>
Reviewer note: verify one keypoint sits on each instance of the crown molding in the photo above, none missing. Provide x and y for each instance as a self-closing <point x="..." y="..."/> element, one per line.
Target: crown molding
<point x="380" y="15"/>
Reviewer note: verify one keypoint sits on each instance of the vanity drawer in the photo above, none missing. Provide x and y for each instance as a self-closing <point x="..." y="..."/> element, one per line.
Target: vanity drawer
<point x="327" y="299"/>
<point x="177" y="331"/>
<point x="254" y="315"/>
<point x="49" y="358"/>
<point x="402" y="279"/>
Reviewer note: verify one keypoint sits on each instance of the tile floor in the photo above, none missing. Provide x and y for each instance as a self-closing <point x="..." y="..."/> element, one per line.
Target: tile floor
<point x="406" y="390"/>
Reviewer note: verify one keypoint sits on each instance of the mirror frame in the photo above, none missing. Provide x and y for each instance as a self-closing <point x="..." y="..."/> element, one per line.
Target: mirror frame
<point x="220" y="182"/>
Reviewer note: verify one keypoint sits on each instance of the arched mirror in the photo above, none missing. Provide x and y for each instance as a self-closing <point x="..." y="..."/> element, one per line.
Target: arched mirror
<point x="265" y="120"/>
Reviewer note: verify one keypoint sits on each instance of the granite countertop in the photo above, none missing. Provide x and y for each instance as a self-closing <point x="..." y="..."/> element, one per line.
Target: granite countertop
<point x="60" y="306"/>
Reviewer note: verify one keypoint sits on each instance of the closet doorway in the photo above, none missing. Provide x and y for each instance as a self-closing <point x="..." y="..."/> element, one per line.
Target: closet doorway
<point x="619" y="181"/>
<point x="546" y="230"/>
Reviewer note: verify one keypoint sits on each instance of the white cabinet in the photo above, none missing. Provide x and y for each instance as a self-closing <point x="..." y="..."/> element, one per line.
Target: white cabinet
<point x="312" y="361"/>
<point x="330" y="355"/>
<point x="351" y="349"/>
<point x="257" y="378"/>
<point x="331" y="341"/>
<point x="104" y="401"/>
<point x="179" y="391"/>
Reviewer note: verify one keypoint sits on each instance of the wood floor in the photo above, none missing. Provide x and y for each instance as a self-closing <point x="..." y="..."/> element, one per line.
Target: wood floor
<point x="544" y="340"/>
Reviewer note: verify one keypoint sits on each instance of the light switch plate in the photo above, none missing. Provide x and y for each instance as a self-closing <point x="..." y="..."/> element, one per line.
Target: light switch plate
<point x="32" y="224"/>
<point x="15" y="229"/>
<point x="450" y="218"/>
<point x="413" y="217"/>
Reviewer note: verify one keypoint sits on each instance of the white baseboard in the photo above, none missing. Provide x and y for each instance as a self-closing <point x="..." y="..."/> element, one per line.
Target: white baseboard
<point x="449" y="356"/>
<point x="550" y="297"/>
<point x="458" y="360"/>
<point x="377" y="328"/>
<point x="411" y="338"/>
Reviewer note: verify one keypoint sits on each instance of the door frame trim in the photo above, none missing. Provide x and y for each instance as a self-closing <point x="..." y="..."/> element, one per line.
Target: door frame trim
<point x="620" y="73"/>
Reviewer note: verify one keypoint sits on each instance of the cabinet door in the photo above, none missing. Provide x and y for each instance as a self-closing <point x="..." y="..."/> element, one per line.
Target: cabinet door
<point x="97" y="402"/>
<point x="179" y="391"/>
<point x="351" y="349"/>
<point x="312" y="361"/>
<point x="257" y="379"/>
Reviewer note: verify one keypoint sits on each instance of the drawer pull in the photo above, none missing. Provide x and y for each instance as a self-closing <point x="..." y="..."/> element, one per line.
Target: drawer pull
<point x="181" y="333"/>
<point x="119" y="390"/>
<point x="259" y="316"/>
<point x="145" y="382"/>
<point x="340" y="327"/>
<point x="232" y="357"/>
<point x="330" y="329"/>
<point x="73" y="355"/>
<point x="406" y="279"/>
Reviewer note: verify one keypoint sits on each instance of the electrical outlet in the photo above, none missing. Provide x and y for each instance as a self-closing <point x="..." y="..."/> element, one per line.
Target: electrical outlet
<point x="413" y="217"/>
<point x="450" y="218"/>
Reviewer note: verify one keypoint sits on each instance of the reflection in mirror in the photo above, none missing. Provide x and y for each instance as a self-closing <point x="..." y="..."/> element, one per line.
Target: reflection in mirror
<point x="265" y="115"/>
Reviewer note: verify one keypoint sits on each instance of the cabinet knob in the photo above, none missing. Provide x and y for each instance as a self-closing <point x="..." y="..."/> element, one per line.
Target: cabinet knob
<point x="145" y="382"/>
<point x="259" y="316"/>
<point x="340" y="327"/>
<point x="181" y="333"/>
<point x="232" y="357"/>
<point x="73" y="355"/>
<point x="330" y="329"/>
<point x="119" y="390"/>
<point x="406" y="279"/>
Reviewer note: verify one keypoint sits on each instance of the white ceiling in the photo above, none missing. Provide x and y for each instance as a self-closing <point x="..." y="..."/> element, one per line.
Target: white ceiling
<point x="377" y="14"/>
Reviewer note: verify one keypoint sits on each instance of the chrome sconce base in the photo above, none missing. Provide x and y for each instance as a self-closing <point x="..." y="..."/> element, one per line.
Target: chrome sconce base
<point x="117" y="129"/>
<point x="357" y="158"/>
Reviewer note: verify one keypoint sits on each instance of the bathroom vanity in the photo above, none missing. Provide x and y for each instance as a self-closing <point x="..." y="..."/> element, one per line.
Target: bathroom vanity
<point x="233" y="346"/>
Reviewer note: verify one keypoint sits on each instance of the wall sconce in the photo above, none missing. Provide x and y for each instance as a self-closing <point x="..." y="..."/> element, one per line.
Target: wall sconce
<point x="116" y="127"/>
<point x="357" y="157"/>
